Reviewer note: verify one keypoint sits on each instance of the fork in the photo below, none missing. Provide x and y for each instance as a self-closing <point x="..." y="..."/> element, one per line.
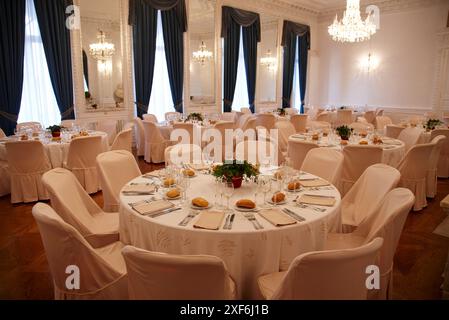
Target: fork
<point x="189" y="218"/>
<point x="254" y="221"/>
<point x="305" y="206"/>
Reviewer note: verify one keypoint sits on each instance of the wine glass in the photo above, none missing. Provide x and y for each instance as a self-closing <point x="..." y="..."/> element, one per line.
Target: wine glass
<point x="265" y="187"/>
<point x="218" y="194"/>
<point x="228" y="192"/>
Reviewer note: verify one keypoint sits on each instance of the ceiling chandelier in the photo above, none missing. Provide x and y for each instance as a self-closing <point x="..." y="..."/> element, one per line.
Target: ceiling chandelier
<point x="352" y="28"/>
<point x="202" y="55"/>
<point x="269" y="61"/>
<point x="102" y="50"/>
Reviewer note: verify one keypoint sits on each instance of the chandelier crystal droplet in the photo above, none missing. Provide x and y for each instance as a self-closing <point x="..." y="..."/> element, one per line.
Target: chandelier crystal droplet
<point x="102" y="50"/>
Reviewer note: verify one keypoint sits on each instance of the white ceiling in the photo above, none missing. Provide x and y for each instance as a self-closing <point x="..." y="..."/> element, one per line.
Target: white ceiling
<point x="100" y="9"/>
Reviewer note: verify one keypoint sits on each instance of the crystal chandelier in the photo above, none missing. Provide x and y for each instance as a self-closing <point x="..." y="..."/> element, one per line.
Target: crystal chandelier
<point x="352" y="28"/>
<point x="202" y="55"/>
<point x="102" y="50"/>
<point x="269" y="61"/>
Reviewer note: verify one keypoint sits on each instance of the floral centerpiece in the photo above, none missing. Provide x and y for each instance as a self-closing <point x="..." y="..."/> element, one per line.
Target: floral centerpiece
<point x="236" y="171"/>
<point x="281" y="112"/>
<point x="55" y="131"/>
<point x="195" y="116"/>
<point x="432" y="124"/>
<point x="344" y="132"/>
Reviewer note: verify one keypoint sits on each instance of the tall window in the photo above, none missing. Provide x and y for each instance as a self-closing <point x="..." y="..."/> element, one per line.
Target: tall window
<point x="241" y="90"/>
<point x="161" y="100"/>
<point x="38" y="99"/>
<point x="296" y="94"/>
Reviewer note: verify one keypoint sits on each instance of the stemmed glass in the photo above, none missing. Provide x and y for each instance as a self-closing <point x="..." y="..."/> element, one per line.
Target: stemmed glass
<point x="183" y="185"/>
<point x="264" y="184"/>
<point x="228" y="192"/>
<point x="218" y="188"/>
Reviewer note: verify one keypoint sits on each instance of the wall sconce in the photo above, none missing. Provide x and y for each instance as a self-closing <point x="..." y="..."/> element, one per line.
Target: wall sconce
<point x="369" y="63"/>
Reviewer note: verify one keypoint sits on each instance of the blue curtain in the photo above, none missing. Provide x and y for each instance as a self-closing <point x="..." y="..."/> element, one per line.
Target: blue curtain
<point x="231" y="59"/>
<point x="250" y="52"/>
<point x="52" y="17"/>
<point x="12" y="50"/>
<point x="303" y="54"/>
<point x="289" y="70"/>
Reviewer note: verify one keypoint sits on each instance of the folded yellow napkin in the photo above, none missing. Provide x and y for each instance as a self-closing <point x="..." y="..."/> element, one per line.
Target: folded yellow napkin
<point x="314" y="183"/>
<point x="153" y="207"/>
<point x="277" y="218"/>
<point x="139" y="188"/>
<point x="317" y="200"/>
<point x="210" y="220"/>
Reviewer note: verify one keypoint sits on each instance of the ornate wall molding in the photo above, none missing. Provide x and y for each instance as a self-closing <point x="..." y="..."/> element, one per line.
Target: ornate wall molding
<point x="441" y="82"/>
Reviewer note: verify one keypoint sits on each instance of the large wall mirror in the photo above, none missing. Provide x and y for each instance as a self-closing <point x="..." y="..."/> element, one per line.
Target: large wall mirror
<point x="202" y="52"/>
<point x="102" y="54"/>
<point x="268" y="62"/>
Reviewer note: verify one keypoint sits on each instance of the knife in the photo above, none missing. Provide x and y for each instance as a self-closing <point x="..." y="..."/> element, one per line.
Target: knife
<point x="161" y="213"/>
<point x="294" y="215"/>
<point x="231" y="222"/>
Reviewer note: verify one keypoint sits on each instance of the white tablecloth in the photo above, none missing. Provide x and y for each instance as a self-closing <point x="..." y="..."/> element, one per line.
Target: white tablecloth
<point x="248" y="253"/>
<point x="57" y="151"/>
<point x="393" y="149"/>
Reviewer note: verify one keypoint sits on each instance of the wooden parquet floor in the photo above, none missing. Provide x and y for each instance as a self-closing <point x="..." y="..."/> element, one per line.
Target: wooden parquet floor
<point x="24" y="272"/>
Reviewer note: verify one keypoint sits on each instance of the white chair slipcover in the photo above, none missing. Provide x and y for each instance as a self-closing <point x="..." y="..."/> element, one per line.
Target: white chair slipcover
<point x="150" y="117"/>
<point x="319" y="125"/>
<point x="324" y="275"/>
<point x="243" y="120"/>
<point x="386" y="223"/>
<point x="324" y="163"/>
<point x="123" y="141"/>
<point x="140" y="136"/>
<point x="36" y="126"/>
<point x="410" y="137"/>
<point x="370" y="117"/>
<point x="155" y="143"/>
<point x="81" y="160"/>
<point x="78" y="209"/>
<point x="188" y="127"/>
<point x="5" y="181"/>
<point x="367" y="194"/>
<point x="361" y="127"/>
<point x="324" y="117"/>
<point x="222" y="127"/>
<point x="379" y="112"/>
<point x="443" y="163"/>
<point x="69" y="123"/>
<point x="413" y="170"/>
<point x="161" y="276"/>
<point x="285" y="130"/>
<point x="393" y="131"/>
<point x="186" y="153"/>
<point x="382" y="122"/>
<point x="172" y="116"/>
<point x="297" y="151"/>
<point x="2" y="133"/>
<point x="432" y="172"/>
<point x="245" y="111"/>
<point x="115" y="168"/>
<point x="27" y="162"/>
<point x="250" y="124"/>
<point x="357" y="159"/>
<point x="265" y="120"/>
<point x="344" y="117"/>
<point x="299" y="121"/>
<point x="228" y="117"/>
<point x="110" y="127"/>
<point x="256" y="152"/>
<point x="102" y="271"/>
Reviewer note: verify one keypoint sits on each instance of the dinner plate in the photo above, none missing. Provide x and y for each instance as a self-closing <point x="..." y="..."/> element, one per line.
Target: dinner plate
<point x="277" y="203"/>
<point x="246" y="210"/>
<point x="169" y="199"/>
<point x="200" y="208"/>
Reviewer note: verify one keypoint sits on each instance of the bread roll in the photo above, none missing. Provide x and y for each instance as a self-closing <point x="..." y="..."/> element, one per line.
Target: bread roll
<point x="189" y="173"/>
<point x="295" y="185"/>
<point x="363" y="143"/>
<point x="344" y="142"/>
<point x="173" y="193"/>
<point x="245" y="204"/>
<point x="278" y="197"/>
<point x="169" y="182"/>
<point x="200" y="202"/>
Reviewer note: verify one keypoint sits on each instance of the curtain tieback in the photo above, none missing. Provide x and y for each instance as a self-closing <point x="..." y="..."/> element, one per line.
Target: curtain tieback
<point x="141" y="106"/>
<point x="9" y="116"/>
<point x="67" y="113"/>
<point x="226" y="101"/>
<point x="179" y="104"/>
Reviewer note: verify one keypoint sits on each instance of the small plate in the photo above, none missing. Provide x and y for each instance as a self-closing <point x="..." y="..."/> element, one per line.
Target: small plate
<point x="293" y="191"/>
<point x="256" y="209"/>
<point x="277" y="203"/>
<point x="200" y="208"/>
<point x="172" y="199"/>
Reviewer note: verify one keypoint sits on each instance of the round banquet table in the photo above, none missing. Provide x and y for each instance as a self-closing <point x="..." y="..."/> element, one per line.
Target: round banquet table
<point x="393" y="149"/>
<point x="247" y="253"/>
<point x="56" y="151"/>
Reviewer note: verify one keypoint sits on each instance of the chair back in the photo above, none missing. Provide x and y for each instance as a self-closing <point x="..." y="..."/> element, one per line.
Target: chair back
<point x="410" y="137"/>
<point x="285" y="131"/>
<point x="123" y="141"/>
<point x="265" y="120"/>
<point x="443" y="162"/>
<point x="393" y="131"/>
<point x="344" y="117"/>
<point x="324" y="163"/>
<point x="140" y="136"/>
<point x="297" y="152"/>
<point x="150" y="117"/>
<point x="299" y="122"/>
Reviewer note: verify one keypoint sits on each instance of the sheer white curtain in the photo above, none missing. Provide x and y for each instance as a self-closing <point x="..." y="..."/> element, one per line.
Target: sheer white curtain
<point x="241" y="90"/>
<point x="38" y="99"/>
<point x="296" y="94"/>
<point x="161" y="100"/>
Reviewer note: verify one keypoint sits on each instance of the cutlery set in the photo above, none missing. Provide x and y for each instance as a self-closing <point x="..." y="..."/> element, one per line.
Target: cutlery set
<point x="229" y="222"/>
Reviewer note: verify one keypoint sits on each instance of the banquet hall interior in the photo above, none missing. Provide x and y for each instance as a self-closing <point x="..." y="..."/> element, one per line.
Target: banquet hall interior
<point x="224" y="150"/>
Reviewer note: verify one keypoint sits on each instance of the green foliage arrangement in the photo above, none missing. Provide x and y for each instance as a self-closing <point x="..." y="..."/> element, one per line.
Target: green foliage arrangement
<point x="236" y="169"/>
<point x="195" y="116"/>
<point x="344" y="132"/>
<point x="433" y="123"/>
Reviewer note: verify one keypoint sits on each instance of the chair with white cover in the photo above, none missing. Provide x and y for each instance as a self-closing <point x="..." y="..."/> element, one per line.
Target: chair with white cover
<point x="381" y="122"/>
<point x="324" y="163"/>
<point x="410" y="137"/>
<point x="155" y="143"/>
<point x="366" y="195"/>
<point x="291" y="111"/>
<point x="319" y="125"/>
<point x="27" y="162"/>
<point x="140" y="136"/>
<point x="285" y="131"/>
<point x="172" y="116"/>
<point x="110" y="127"/>
<point x="123" y="141"/>
<point x="243" y="120"/>
<point x="116" y="169"/>
<point x="443" y="163"/>
<point x="299" y="121"/>
<point x="81" y="160"/>
<point x="161" y="276"/>
<point x="358" y="158"/>
<point x="265" y="120"/>
<point x="250" y="124"/>
<point x="223" y="127"/>
<point x="344" y="117"/>
<point x="256" y="152"/>
<point x="102" y="271"/>
<point x="323" y="275"/>
<point x="324" y="117"/>
<point x="150" y="117"/>
<point x="70" y="123"/>
<point x="370" y="116"/>
<point x="182" y="154"/>
<point x="387" y="223"/>
<point x="35" y="126"/>
<point x="379" y="112"/>
<point x="393" y="131"/>
<point x="413" y="170"/>
<point x="228" y="117"/>
<point x="186" y="128"/>
<point x="129" y="125"/>
<point x="2" y="133"/>
<point x="360" y="127"/>
<point x="432" y="172"/>
<point x="245" y="110"/>
<point x="297" y="152"/>
<point x="78" y="209"/>
<point x="5" y="181"/>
